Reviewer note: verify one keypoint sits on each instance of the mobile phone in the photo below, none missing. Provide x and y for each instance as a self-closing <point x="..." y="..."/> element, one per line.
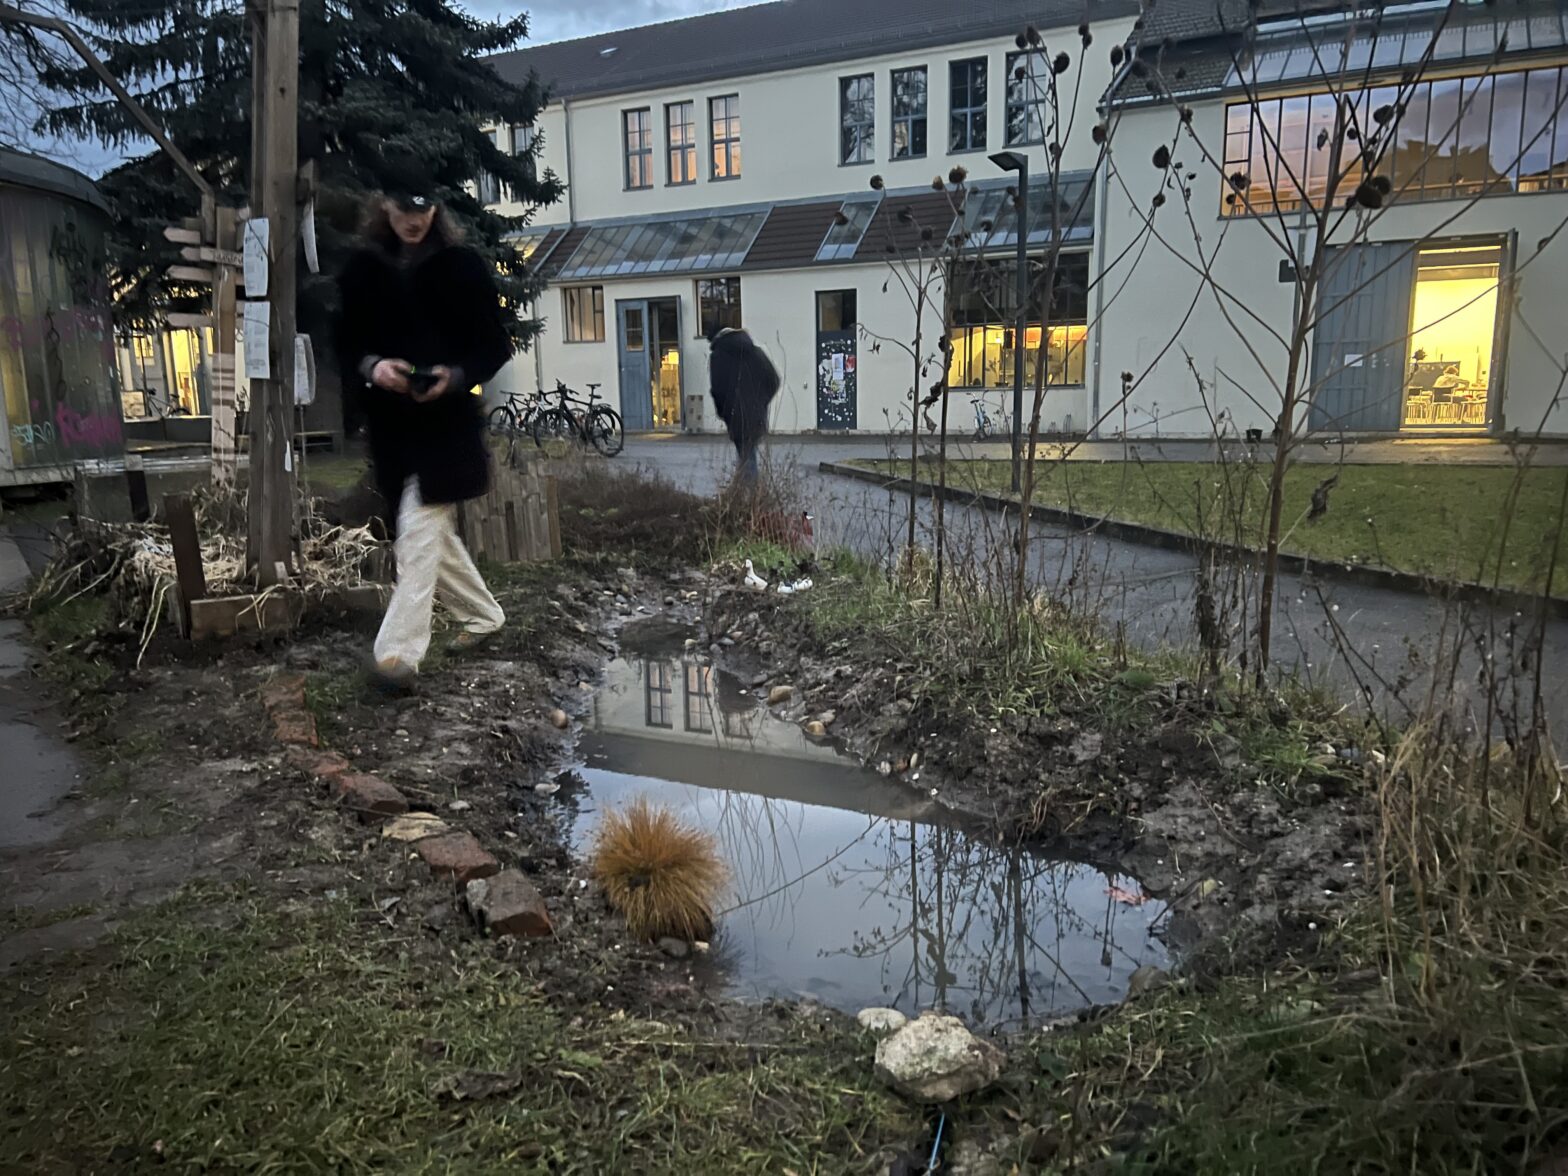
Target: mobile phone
<point x="422" y="377"/>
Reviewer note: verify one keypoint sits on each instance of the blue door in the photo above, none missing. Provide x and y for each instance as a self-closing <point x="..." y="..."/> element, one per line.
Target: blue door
<point x="1361" y="346"/>
<point x="633" y="340"/>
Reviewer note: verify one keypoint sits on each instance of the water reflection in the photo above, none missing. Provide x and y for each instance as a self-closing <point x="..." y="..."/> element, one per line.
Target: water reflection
<point x="848" y="887"/>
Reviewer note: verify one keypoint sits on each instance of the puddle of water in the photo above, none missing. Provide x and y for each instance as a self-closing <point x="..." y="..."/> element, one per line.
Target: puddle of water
<point x="39" y="767"/>
<point x="845" y="886"/>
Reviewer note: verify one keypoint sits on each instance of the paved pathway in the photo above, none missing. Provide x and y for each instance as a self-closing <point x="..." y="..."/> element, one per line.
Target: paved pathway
<point x="1384" y="636"/>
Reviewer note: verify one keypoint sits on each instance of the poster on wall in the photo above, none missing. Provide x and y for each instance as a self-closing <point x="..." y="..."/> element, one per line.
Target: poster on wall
<point x="836" y="380"/>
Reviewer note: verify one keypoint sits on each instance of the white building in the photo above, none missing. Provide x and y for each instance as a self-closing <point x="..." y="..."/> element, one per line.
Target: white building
<point x="718" y="170"/>
<point x="708" y="163"/>
<point x="1439" y="316"/>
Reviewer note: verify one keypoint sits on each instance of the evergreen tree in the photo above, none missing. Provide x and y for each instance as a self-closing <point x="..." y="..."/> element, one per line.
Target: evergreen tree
<point x="377" y="78"/>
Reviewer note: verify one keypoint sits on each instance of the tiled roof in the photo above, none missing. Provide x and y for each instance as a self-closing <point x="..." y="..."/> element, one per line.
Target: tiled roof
<point x="905" y="225"/>
<point x="786" y="34"/>
<point x="792" y="235"/>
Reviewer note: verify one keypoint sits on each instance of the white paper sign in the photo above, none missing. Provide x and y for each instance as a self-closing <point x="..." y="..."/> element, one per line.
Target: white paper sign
<point x="257" y="317"/>
<point x="308" y="232"/>
<point x="256" y="238"/>
<point x="304" y="371"/>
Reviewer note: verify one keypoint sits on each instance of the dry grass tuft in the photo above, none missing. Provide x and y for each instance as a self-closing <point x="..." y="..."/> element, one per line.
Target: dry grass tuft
<point x="663" y="876"/>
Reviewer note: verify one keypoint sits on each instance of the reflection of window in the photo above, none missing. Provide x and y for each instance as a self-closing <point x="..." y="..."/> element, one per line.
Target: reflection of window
<point x="1026" y="94"/>
<point x="658" y="693"/>
<point x="724" y="122"/>
<point x="836" y="310"/>
<point x="967" y="105"/>
<point x="584" y="314"/>
<point x="523" y="136"/>
<point x="680" y="126"/>
<point x="1453" y="137"/>
<point x="699" y="698"/>
<point x="857" y="109"/>
<point x="909" y="113"/>
<point x="718" y="304"/>
<point x="637" y="134"/>
<point x="985" y="316"/>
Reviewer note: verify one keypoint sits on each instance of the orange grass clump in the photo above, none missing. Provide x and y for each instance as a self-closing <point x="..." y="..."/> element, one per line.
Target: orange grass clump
<point x="664" y="877"/>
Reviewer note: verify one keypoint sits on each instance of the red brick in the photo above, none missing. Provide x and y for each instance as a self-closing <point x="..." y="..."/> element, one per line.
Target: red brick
<point x="369" y="796"/>
<point x="323" y="765"/>
<point x="508" y="904"/>
<point x="296" y="726"/>
<point x="284" y="692"/>
<point x="457" y="856"/>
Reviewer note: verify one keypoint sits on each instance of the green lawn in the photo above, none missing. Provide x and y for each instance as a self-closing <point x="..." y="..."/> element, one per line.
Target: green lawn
<point x="1454" y="522"/>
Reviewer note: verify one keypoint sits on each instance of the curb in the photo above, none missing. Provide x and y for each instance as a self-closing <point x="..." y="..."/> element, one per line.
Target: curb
<point x="1359" y="574"/>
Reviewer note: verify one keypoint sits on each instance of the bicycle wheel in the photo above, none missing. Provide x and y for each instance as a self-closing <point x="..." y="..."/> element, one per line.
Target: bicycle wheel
<point x="605" y="432"/>
<point x="553" y="424"/>
<point x="502" y="421"/>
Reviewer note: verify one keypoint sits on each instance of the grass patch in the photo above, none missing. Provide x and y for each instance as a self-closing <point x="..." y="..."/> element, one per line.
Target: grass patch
<point x="305" y="1042"/>
<point x="1433" y="520"/>
<point x="332" y="474"/>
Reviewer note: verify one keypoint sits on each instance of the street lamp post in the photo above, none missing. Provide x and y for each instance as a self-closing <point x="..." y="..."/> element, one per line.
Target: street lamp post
<point x="1014" y="161"/>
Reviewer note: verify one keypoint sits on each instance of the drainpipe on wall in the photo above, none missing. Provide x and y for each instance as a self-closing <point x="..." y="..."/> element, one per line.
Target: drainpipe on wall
<point x="1103" y="181"/>
<point x="571" y="219"/>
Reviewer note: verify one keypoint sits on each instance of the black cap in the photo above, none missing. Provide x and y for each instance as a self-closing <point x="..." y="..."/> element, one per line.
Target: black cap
<point x="408" y="181"/>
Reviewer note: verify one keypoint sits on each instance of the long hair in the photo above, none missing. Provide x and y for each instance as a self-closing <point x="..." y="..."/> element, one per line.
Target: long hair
<point x="376" y="228"/>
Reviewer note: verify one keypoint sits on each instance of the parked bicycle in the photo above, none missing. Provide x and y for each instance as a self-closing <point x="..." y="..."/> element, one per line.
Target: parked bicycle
<point x="516" y="416"/>
<point x="985" y="427"/>
<point x="587" y="422"/>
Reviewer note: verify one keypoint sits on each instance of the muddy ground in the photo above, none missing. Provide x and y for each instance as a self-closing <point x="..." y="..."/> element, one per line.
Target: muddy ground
<point x="191" y="814"/>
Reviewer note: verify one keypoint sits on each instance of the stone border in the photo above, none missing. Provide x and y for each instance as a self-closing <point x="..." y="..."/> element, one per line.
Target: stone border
<point x="502" y="902"/>
<point x="1361" y="574"/>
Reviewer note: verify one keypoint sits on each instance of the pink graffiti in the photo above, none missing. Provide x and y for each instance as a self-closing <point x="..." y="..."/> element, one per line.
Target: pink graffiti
<point x="96" y="430"/>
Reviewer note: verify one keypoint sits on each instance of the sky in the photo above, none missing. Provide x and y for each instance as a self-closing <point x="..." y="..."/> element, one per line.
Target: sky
<point x="560" y="20"/>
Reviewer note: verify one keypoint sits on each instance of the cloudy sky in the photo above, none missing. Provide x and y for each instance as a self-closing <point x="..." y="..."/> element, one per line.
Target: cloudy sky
<point x="559" y="20"/>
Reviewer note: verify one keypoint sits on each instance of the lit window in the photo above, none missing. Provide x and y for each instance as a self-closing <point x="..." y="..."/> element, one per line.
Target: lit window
<point x="985" y="326"/>
<point x="584" y="314"/>
<point x="967" y="105"/>
<point x="909" y="113"/>
<point x="718" y="305"/>
<point x="1441" y="139"/>
<point x="724" y="122"/>
<point x="857" y="100"/>
<point x="1028" y="82"/>
<point x="637" y="133"/>
<point x="680" y="126"/>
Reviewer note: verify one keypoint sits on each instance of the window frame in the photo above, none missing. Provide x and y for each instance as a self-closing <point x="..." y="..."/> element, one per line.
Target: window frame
<point x="912" y="119"/>
<point x="687" y="149"/>
<point x="699" y="297"/>
<point x="731" y="142"/>
<point x="572" y="312"/>
<point x="1033" y="107"/>
<point x="970" y="109"/>
<point x="866" y="145"/>
<point x="1416" y="178"/>
<point x="642" y="152"/>
<point x="1071" y="324"/>
<point x="487" y="187"/>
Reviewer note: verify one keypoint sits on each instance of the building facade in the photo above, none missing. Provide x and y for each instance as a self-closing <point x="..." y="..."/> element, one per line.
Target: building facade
<point x="719" y="172"/>
<point x="1441" y="307"/>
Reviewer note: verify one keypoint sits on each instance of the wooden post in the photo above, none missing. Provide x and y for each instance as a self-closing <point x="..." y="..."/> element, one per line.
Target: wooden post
<point x="225" y="458"/>
<point x="274" y="171"/>
<point x="188" y="572"/>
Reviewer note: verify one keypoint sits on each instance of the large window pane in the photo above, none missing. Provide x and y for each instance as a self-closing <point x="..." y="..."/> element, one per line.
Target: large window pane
<point x="1442" y="138"/>
<point x="680" y="132"/>
<point x="1028" y="76"/>
<point x="967" y="105"/>
<point x="1472" y="161"/>
<point x="1410" y="141"/>
<point x="909" y="113"/>
<point x="1503" y="138"/>
<point x="1540" y="110"/>
<point x="857" y="119"/>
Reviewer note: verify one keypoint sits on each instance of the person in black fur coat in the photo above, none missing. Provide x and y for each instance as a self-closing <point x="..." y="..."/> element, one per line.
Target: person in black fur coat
<point x="743" y="382"/>
<point x="421" y="328"/>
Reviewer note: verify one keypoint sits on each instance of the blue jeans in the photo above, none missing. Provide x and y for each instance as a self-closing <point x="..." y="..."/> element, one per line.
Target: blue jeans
<point x="746" y="459"/>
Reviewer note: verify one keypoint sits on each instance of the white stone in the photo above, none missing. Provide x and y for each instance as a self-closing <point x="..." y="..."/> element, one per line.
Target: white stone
<point x="935" y="1058"/>
<point x="881" y="1021"/>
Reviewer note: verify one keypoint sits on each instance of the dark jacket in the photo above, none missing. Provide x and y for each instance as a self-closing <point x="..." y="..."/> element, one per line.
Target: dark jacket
<point x="442" y="308"/>
<point x="742" y="382"/>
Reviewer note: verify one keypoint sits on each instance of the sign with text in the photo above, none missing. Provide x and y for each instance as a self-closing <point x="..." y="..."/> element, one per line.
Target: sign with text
<point x="257" y="239"/>
<point x="257" y="318"/>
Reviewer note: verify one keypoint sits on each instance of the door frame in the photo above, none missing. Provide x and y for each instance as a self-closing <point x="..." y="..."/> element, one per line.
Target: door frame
<point x="817" y="334"/>
<point x="641" y="420"/>
<point x="654" y="341"/>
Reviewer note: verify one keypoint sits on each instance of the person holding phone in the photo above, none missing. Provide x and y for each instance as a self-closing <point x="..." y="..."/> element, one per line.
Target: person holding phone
<point x="420" y="326"/>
